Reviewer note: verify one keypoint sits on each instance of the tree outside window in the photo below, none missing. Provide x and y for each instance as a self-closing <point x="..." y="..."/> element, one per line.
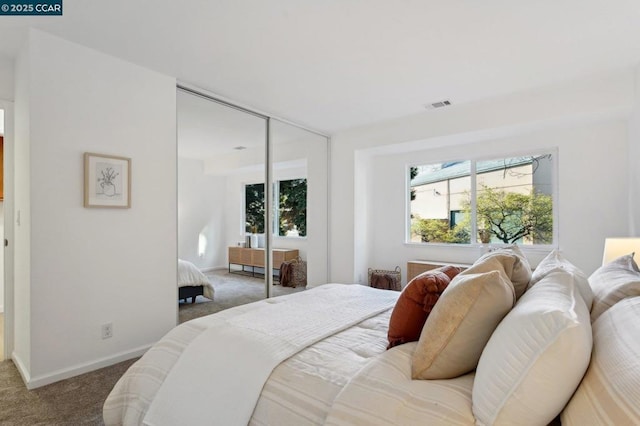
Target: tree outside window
<point x="513" y="201"/>
<point x="291" y="214"/>
<point x="254" y="208"/>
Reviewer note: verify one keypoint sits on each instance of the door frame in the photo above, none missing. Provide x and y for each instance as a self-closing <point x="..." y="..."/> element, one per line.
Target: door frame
<point x="8" y="167"/>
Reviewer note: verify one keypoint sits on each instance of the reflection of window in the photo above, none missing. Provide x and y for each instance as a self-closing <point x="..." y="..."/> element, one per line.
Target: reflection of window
<point x="292" y="212"/>
<point x="290" y="217"/>
<point x="254" y="208"/>
<point x="505" y="200"/>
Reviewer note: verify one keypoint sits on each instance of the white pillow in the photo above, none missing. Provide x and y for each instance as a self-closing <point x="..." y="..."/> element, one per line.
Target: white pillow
<point x="536" y="357"/>
<point x="555" y="261"/>
<point x="610" y="390"/>
<point x="613" y="282"/>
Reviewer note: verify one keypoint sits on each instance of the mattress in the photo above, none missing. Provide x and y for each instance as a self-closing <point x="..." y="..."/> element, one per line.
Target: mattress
<point x="190" y="276"/>
<point x="299" y="391"/>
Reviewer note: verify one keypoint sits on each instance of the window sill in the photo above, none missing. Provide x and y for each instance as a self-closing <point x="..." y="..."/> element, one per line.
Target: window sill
<point x="525" y="248"/>
<point x="284" y="238"/>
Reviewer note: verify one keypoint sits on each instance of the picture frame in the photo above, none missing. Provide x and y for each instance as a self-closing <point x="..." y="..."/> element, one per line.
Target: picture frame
<point x="107" y="181"/>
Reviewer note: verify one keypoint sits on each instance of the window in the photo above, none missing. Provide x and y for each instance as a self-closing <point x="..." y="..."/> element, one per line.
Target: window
<point x="503" y="200"/>
<point x="290" y="217"/>
<point x="254" y="208"/>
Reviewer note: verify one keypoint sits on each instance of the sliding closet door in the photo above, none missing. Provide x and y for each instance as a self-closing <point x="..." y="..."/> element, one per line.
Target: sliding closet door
<point x="299" y="166"/>
<point x="221" y="192"/>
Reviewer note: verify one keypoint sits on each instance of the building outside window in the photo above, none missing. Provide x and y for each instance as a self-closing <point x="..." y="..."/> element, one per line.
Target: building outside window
<point x="498" y="201"/>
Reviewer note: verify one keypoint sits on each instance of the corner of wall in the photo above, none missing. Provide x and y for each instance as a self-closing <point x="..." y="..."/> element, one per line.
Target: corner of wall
<point x="21" y="211"/>
<point x="634" y="154"/>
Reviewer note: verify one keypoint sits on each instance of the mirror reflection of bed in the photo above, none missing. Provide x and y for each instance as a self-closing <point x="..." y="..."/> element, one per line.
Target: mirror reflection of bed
<point x="192" y="282"/>
<point x="229" y="290"/>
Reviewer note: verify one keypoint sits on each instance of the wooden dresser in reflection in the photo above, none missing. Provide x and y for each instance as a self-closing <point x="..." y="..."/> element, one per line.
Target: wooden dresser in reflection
<point x="254" y="257"/>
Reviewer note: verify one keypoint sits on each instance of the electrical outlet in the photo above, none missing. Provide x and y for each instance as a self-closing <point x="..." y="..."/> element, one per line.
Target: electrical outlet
<point x="107" y="331"/>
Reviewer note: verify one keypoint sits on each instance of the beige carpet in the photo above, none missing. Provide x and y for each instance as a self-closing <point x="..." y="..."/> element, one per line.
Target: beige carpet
<point x="79" y="400"/>
<point x="230" y="290"/>
<point x="2" y="337"/>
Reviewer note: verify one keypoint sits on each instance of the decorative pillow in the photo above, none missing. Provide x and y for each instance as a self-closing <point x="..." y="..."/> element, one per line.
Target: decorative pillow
<point x="610" y="390"/>
<point x="536" y="357"/>
<point x="613" y="282"/>
<point x="416" y="302"/>
<point x="511" y="260"/>
<point x="554" y="262"/>
<point x="461" y="323"/>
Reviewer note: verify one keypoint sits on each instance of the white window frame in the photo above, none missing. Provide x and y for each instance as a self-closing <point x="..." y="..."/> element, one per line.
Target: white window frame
<point x="473" y="190"/>
<point x="276" y="204"/>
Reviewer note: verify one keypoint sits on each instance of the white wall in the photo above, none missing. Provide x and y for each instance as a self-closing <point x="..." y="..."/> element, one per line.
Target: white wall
<point x="541" y="118"/>
<point x="22" y="223"/>
<point x="634" y="166"/>
<point x="201" y="212"/>
<point x="6" y="78"/>
<point x="93" y="266"/>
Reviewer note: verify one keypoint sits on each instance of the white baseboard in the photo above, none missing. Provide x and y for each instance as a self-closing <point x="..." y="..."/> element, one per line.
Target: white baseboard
<point x="213" y="268"/>
<point x="56" y="376"/>
<point x="24" y="373"/>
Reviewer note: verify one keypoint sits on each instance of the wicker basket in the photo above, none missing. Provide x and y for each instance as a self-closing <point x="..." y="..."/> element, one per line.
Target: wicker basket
<point x="298" y="276"/>
<point x="390" y="279"/>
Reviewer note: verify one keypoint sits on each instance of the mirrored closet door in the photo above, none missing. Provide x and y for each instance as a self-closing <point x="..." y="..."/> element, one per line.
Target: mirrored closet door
<point x="299" y="163"/>
<point x="252" y="204"/>
<point x="221" y="205"/>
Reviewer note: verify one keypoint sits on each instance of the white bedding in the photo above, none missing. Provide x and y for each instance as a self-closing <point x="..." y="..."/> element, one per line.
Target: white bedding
<point x="382" y="393"/>
<point x="301" y="390"/>
<point x="318" y="368"/>
<point x="190" y="275"/>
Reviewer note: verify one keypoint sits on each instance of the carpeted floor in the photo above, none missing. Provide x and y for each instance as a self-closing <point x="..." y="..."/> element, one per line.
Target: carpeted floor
<point x="230" y="290"/>
<point x="78" y="401"/>
<point x="2" y="356"/>
<point x="75" y="401"/>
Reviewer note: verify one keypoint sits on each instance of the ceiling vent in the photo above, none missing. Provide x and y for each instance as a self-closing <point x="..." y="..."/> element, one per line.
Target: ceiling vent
<point x="439" y="104"/>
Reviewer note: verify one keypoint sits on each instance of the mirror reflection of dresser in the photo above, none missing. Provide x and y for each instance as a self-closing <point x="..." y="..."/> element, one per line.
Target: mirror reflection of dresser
<point x="254" y="258"/>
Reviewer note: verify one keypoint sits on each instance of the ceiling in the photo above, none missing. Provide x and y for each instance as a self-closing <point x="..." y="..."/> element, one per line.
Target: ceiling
<point x="208" y="129"/>
<point x="336" y="64"/>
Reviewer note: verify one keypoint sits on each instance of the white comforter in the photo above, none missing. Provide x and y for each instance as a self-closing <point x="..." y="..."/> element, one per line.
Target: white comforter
<point x="223" y="374"/>
<point x="190" y="275"/>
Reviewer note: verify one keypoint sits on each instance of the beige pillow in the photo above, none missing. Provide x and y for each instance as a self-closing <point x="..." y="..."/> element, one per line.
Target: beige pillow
<point x="613" y="282"/>
<point x="536" y="357"/>
<point x="461" y="323"/>
<point x="511" y="260"/>
<point x="416" y="302"/>
<point x="610" y="390"/>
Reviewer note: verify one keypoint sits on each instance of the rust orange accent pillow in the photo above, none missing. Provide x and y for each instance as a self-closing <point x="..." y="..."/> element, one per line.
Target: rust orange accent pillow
<point x="415" y="304"/>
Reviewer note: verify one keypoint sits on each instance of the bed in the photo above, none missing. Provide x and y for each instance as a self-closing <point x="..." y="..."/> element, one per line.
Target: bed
<point x="192" y="282"/>
<point x="292" y="381"/>
<point x="320" y="356"/>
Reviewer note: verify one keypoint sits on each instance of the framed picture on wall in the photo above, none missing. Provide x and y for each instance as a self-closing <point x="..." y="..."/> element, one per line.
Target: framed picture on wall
<point x="107" y="181"/>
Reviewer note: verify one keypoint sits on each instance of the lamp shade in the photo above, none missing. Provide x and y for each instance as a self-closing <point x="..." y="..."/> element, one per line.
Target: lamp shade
<point x="616" y="247"/>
